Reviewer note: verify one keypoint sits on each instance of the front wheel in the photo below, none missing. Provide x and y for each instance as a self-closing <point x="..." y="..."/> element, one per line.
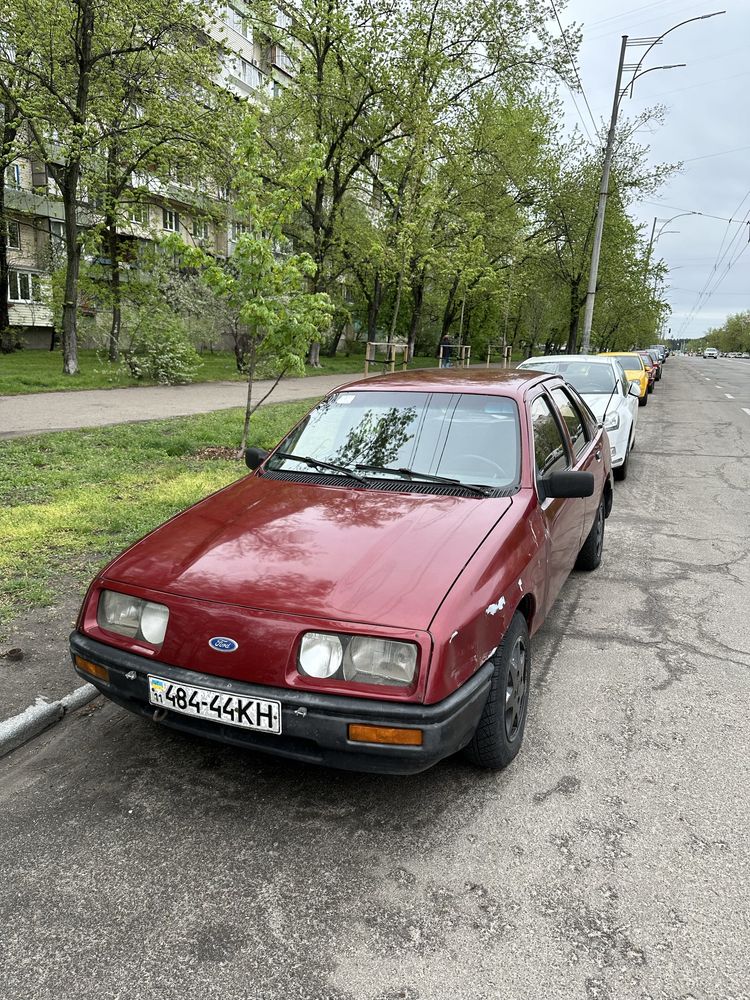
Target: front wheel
<point x="591" y="551"/>
<point x="499" y="733"/>
<point x="643" y="399"/>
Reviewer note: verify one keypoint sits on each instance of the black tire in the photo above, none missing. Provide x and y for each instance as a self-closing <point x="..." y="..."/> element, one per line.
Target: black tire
<point x="651" y="386"/>
<point x="591" y="551"/>
<point x="500" y="729"/>
<point x="621" y="472"/>
<point x="643" y="400"/>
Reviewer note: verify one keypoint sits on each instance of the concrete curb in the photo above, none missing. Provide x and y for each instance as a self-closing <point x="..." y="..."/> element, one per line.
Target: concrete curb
<point x="19" y="729"/>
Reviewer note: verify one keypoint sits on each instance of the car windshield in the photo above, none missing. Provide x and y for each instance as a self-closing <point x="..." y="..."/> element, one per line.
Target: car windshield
<point x="587" y="377"/>
<point x="629" y="361"/>
<point x="463" y="436"/>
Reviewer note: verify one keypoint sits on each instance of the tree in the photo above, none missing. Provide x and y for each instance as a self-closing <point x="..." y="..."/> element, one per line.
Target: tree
<point x="263" y="283"/>
<point x="69" y="54"/>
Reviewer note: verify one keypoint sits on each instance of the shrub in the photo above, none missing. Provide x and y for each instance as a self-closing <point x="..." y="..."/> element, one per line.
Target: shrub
<point x="161" y="352"/>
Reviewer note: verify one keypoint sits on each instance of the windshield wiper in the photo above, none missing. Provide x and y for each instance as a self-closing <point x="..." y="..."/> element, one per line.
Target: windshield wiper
<point x="481" y="491"/>
<point x="317" y="464"/>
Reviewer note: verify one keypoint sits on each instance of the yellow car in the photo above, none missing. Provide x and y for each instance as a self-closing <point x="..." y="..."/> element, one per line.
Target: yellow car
<point x="635" y="370"/>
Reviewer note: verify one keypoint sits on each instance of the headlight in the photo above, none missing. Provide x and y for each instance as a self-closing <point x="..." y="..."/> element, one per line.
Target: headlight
<point x="133" y="617"/>
<point x="358" y="659"/>
<point x="320" y="654"/>
<point x="380" y="661"/>
<point x="612" y="422"/>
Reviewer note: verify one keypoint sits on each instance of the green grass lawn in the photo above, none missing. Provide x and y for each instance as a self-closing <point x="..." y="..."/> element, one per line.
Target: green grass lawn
<point x="41" y="371"/>
<point x="70" y="501"/>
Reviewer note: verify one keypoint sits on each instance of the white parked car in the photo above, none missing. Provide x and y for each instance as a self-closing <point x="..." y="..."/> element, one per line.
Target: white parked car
<point x="710" y="352"/>
<point x="605" y="389"/>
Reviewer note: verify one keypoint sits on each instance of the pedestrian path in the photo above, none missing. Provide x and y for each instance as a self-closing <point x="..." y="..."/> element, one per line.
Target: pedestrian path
<point x="58" y="411"/>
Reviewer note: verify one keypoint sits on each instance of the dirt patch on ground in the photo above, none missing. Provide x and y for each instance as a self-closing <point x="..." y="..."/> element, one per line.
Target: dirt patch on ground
<point x="45" y="669"/>
<point x="226" y="453"/>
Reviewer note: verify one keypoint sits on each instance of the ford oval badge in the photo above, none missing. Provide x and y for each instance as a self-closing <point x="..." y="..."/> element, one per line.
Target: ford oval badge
<point x="222" y="644"/>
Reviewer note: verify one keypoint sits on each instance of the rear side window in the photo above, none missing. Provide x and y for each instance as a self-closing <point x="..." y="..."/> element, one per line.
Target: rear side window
<point x="550" y="452"/>
<point x="574" y="420"/>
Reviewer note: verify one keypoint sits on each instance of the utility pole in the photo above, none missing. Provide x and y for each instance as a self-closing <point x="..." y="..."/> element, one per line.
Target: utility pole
<point x="588" y="315"/>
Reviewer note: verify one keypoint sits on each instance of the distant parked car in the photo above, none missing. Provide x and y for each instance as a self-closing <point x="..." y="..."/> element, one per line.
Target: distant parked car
<point x="365" y="599"/>
<point x="652" y="368"/>
<point x="710" y="352"/>
<point x="635" y="369"/>
<point x="605" y="388"/>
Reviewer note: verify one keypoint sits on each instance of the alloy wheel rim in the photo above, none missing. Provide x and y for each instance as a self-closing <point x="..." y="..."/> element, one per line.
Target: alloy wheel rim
<point x="516" y="683"/>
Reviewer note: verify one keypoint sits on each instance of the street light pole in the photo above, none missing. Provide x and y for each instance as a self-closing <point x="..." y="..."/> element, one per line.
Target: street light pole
<point x="603" y="190"/>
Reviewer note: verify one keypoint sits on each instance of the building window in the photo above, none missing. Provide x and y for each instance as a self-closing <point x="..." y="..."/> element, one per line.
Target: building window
<point x="200" y="229"/>
<point x="283" y="20"/>
<point x="57" y="230"/>
<point x="13" y="235"/>
<point x="139" y="214"/>
<point x="171" y="221"/>
<point x="24" y="286"/>
<point x="283" y="60"/>
<point x="239" y="229"/>
<point x="13" y="176"/>
<point x="249" y="74"/>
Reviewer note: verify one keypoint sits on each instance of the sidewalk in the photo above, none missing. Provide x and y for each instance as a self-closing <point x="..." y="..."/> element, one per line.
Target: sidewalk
<point x="40" y="412"/>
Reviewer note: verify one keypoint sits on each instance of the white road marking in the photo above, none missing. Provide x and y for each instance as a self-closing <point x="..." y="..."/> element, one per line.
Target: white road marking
<point x="728" y="396"/>
<point x="719" y="386"/>
<point x="745" y="410"/>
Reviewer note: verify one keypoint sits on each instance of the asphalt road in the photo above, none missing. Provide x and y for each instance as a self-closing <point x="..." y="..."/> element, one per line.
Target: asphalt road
<point x="610" y="862"/>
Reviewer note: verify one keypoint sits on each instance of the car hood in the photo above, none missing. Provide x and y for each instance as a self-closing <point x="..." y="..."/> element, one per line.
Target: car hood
<point x="320" y="551"/>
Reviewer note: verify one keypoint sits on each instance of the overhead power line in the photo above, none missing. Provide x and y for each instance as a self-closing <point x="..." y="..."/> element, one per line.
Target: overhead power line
<point x="575" y="70"/>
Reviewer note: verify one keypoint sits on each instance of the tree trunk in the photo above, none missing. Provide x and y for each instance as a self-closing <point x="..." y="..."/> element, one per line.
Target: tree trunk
<point x="115" y="288"/>
<point x="248" y="405"/>
<point x="417" y="297"/>
<point x="396" y="307"/>
<point x="575" y="312"/>
<point x="450" y="308"/>
<point x="9" y="138"/>
<point x="373" y="309"/>
<point x="73" y="254"/>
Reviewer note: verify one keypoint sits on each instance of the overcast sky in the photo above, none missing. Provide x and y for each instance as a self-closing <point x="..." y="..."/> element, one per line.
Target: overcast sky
<point x="707" y="126"/>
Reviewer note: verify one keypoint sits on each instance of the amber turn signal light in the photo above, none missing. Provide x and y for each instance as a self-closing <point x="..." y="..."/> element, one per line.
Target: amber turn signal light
<point x="92" y="668"/>
<point x="385" y="734"/>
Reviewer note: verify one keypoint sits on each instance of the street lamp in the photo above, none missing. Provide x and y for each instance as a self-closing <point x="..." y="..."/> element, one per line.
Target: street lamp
<point x="654" y="239"/>
<point x="603" y="189"/>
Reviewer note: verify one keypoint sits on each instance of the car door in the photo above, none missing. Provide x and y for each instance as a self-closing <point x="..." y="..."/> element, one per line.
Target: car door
<point x="563" y="518"/>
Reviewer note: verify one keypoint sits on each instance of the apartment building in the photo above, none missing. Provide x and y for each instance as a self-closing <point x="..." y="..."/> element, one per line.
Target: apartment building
<point x="254" y="68"/>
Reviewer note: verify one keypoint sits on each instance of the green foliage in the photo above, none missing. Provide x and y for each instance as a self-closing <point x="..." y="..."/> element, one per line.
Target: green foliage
<point x="161" y="352"/>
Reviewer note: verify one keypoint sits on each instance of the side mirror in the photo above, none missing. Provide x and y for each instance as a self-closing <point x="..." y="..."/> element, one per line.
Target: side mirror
<point x="635" y="389"/>
<point x="567" y="484"/>
<point x="255" y="456"/>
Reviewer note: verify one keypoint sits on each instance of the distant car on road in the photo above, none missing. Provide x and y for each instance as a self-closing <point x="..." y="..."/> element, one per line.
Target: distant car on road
<point x="710" y="352"/>
<point x="605" y="388"/>
<point x="365" y="599"/>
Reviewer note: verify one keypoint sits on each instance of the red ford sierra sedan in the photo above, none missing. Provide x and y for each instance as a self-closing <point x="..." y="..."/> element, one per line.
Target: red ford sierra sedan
<point x="365" y="598"/>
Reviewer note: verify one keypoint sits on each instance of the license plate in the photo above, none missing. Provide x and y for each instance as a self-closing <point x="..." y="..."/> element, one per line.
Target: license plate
<point x="216" y="706"/>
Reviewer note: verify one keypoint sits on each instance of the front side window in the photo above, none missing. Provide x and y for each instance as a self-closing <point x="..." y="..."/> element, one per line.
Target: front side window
<point x="573" y="418"/>
<point x="630" y="362"/>
<point x="467" y="437"/>
<point x="550" y="452"/>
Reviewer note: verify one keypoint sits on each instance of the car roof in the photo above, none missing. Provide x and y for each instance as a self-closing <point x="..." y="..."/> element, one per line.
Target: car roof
<point x="610" y="354"/>
<point x="486" y="381"/>
<point x="591" y="358"/>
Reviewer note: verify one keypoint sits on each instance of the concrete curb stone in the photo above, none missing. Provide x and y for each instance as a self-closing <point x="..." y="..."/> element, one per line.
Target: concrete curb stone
<point x="19" y="729"/>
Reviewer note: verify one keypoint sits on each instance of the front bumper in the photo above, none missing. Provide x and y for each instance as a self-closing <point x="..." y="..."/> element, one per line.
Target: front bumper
<point x="314" y="727"/>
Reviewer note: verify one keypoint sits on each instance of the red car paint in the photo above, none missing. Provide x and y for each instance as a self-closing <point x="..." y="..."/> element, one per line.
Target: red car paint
<point x="265" y="561"/>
